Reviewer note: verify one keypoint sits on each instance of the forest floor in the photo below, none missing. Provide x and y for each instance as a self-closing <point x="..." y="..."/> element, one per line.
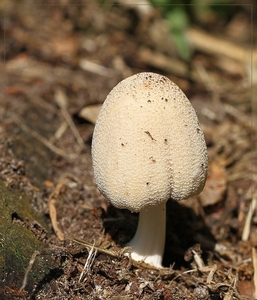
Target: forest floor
<point x="59" y="63"/>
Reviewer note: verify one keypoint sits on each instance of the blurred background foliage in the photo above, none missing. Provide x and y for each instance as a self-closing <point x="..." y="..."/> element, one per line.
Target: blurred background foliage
<point x="206" y="14"/>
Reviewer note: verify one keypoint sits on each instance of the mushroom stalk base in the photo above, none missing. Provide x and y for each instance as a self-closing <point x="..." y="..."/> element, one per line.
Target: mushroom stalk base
<point x="149" y="240"/>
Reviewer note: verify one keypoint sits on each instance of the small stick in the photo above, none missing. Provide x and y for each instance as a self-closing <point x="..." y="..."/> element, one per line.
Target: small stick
<point x="165" y="63"/>
<point x="198" y="260"/>
<point x="211" y="86"/>
<point x="88" y="245"/>
<point x="59" y="132"/>
<point x="90" y="66"/>
<point x="245" y="120"/>
<point x="52" y="210"/>
<point x="125" y="251"/>
<point x="205" y="42"/>
<point x="52" y="201"/>
<point x="89" y="261"/>
<point x="254" y="258"/>
<point x="247" y="227"/>
<point x="30" y="265"/>
<point x="44" y="141"/>
<point x="211" y="274"/>
<point x="62" y="101"/>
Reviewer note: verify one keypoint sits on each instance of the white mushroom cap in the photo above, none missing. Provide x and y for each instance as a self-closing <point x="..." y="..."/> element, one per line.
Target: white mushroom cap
<point x="147" y="144"/>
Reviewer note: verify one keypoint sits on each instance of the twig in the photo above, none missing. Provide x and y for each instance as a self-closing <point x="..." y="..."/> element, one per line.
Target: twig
<point x="124" y="251"/>
<point x="166" y="63"/>
<point x="245" y="120"/>
<point x="88" y="245"/>
<point x="90" y="66"/>
<point x="30" y="265"/>
<point x="59" y="132"/>
<point x="62" y="101"/>
<point x="198" y="260"/>
<point x="39" y="101"/>
<point x="247" y="226"/>
<point x="211" y="274"/>
<point x="210" y="84"/>
<point x="52" y="201"/>
<point x="242" y="118"/>
<point x="254" y="257"/>
<point x="44" y="141"/>
<point x="53" y="217"/>
<point x="205" y="42"/>
<point x="89" y="261"/>
<point x="52" y="210"/>
<point x="30" y="69"/>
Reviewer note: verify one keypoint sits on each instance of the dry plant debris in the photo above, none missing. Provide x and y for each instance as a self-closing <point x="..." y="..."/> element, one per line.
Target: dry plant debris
<point x="61" y="60"/>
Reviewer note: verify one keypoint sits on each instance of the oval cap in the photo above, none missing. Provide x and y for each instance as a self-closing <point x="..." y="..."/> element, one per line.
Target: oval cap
<point x="147" y="144"/>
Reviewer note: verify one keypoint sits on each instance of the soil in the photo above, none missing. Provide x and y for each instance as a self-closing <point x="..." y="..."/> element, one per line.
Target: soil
<point x="58" y="59"/>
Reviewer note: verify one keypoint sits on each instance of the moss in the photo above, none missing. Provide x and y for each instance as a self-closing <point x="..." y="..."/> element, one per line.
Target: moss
<point x="17" y="243"/>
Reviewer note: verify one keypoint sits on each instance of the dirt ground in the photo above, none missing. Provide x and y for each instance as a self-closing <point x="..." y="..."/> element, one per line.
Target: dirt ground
<point x="59" y="61"/>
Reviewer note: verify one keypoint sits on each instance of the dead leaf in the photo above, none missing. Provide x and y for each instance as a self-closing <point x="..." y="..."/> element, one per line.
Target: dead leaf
<point x="90" y="112"/>
<point x="215" y="186"/>
<point x="246" y="288"/>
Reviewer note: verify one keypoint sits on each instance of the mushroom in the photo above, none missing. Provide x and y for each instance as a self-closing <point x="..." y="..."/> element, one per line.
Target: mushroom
<point x="148" y="147"/>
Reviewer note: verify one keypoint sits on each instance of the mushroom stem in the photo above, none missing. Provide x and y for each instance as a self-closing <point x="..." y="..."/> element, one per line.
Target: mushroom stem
<point x="149" y="240"/>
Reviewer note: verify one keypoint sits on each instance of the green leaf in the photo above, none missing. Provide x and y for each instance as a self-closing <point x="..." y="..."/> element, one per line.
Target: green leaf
<point x="177" y="18"/>
<point x="181" y="45"/>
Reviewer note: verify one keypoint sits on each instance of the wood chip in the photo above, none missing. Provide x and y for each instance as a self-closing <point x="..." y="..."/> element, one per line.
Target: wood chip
<point x="90" y="112"/>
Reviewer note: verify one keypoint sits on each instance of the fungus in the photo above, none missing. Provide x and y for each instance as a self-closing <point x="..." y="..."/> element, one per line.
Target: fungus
<point x="146" y="152"/>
